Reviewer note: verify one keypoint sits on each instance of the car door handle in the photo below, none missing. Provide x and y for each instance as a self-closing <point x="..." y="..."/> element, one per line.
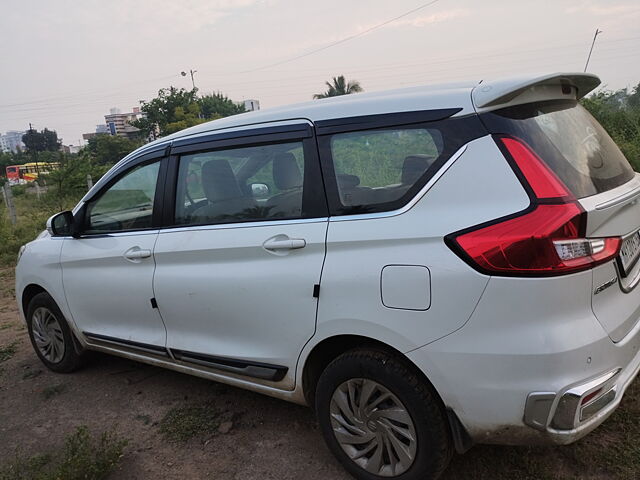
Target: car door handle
<point x="284" y="243"/>
<point x="137" y="253"/>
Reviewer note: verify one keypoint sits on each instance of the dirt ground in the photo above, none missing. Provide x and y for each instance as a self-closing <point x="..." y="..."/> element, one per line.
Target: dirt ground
<point x="267" y="438"/>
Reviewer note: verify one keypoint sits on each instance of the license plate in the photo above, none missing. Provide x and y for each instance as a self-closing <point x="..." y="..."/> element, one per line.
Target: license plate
<point x="630" y="252"/>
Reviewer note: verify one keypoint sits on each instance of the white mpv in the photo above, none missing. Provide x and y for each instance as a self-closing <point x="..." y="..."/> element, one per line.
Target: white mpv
<point x="428" y="268"/>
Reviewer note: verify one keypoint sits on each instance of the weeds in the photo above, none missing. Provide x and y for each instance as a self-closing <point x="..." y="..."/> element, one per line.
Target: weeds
<point x="145" y="419"/>
<point x="9" y="351"/>
<point x="31" y="374"/>
<point x="83" y="457"/>
<point x="53" y="390"/>
<point x="186" y="422"/>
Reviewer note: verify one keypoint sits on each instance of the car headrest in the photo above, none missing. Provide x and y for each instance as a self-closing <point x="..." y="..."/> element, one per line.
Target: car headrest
<point x="414" y="167"/>
<point x="347" y="181"/>
<point x="218" y="181"/>
<point x="286" y="173"/>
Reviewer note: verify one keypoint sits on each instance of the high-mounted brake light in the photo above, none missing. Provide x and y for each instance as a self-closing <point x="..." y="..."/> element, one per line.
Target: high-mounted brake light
<point x="546" y="239"/>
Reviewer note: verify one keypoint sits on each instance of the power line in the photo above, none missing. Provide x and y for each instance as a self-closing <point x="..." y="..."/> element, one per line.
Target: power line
<point x="343" y="40"/>
<point x="121" y="91"/>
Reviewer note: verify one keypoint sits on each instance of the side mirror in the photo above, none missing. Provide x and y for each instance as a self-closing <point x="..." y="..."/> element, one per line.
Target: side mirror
<point x="259" y="190"/>
<point x="62" y="225"/>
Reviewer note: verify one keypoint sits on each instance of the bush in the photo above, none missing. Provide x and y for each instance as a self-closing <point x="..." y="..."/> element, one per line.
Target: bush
<point x="83" y="457"/>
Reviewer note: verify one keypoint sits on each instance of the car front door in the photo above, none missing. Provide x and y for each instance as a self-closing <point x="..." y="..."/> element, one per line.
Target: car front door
<point x="108" y="271"/>
<point x="237" y="277"/>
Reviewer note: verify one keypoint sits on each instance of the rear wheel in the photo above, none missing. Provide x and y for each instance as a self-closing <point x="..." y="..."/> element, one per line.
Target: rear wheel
<point x="50" y="335"/>
<point x="380" y="419"/>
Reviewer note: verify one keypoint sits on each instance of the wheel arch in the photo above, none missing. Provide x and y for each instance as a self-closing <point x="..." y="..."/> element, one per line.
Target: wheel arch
<point x="330" y="348"/>
<point x="28" y="293"/>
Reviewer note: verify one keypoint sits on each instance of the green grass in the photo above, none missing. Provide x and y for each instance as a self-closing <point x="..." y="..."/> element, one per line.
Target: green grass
<point x="8" y="351"/>
<point x="31" y="374"/>
<point x="186" y="422"/>
<point x="53" y="390"/>
<point x="82" y="457"/>
<point x="145" y="419"/>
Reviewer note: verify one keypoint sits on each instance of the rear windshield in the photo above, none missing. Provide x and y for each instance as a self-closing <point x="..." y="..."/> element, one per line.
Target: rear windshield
<point x="569" y="140"/>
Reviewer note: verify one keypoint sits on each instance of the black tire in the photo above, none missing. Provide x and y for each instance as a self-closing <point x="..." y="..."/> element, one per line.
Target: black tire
<point x="70" y="360"/>
<point x="434" y="445"/>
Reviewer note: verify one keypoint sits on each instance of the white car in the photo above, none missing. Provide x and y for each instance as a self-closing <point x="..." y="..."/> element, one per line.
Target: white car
<point x="428" y="268"/>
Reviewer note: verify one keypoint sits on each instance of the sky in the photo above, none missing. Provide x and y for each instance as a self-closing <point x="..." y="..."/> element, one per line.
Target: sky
<point x="66" y="63"/>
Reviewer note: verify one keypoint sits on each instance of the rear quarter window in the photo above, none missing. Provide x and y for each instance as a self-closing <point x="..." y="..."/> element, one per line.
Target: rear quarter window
<point x="376" y="170"/>
<point x="570" y="141"/>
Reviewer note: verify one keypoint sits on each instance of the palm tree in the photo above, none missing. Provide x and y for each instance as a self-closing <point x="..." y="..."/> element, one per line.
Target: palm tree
<point x="340" y="86"/>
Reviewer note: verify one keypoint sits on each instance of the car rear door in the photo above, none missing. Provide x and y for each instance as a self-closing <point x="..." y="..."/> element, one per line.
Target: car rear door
<point x="238" y="270"/>
<point x="108" y="271"/>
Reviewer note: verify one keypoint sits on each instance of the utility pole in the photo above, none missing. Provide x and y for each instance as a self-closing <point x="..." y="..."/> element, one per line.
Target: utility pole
<point x="35" y="152"/>
<point x="184" y="74"/>
<point x="598" y="32"/>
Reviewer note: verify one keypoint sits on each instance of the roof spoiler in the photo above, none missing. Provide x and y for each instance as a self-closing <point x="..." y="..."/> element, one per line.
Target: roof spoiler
<point x="489" y="95"/>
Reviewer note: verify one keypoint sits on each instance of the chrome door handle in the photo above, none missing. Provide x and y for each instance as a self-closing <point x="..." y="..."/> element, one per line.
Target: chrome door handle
<point x="137" y="253"/>
<point x="284" y="243"/>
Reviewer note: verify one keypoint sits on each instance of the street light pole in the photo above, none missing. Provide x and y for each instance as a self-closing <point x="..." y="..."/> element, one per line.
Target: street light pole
<point x="598" y="32"/>
<point x="184" y="74"/>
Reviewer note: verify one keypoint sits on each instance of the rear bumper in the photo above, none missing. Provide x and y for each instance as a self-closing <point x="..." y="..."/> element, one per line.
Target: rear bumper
<point x="614" y="384"/>
<point x="513" y="372"/>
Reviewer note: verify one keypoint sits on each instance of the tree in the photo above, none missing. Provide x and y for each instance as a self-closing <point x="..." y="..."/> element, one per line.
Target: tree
<point x="45" y="140"/>
<point x="175" y="109"/>
<point x="107" y="149"/>
<point x="218" y="105"/>
<point x="339" y="86"/>
<point x="165" y="110"/>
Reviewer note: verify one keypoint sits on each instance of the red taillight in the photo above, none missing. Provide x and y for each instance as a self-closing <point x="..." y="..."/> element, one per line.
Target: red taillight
<point x="543" y="240"/>
<point x="544" y="183"/>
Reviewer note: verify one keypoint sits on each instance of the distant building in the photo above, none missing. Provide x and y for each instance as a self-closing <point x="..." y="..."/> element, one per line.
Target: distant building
<point x="120" y="123"/>
<point x="100" y="130"/>
<point x="251" y="105"/>
<point x="12" y="141"/>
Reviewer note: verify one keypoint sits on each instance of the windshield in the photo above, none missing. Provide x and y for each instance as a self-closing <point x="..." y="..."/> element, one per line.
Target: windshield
<point x="569" y="140"/>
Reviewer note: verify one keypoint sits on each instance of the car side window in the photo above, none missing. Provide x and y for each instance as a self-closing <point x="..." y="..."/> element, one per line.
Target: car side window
<point x="243" y="184"/>
<point x="127" y="204"/>
<point x="380" y="166"/>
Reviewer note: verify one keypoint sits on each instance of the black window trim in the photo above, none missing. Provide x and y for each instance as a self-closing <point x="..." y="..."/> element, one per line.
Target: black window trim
<point x="229" y="139"/>
<point x="157" y="214"/>
<point x="366" y="122"/>
<point x="314" y="197"/>
<point x="406" y="120"/>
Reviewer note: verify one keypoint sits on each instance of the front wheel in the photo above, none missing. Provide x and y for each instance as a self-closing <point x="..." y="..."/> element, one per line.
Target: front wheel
<point x="380" y="419"/>
<point x="50" y="335"/>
